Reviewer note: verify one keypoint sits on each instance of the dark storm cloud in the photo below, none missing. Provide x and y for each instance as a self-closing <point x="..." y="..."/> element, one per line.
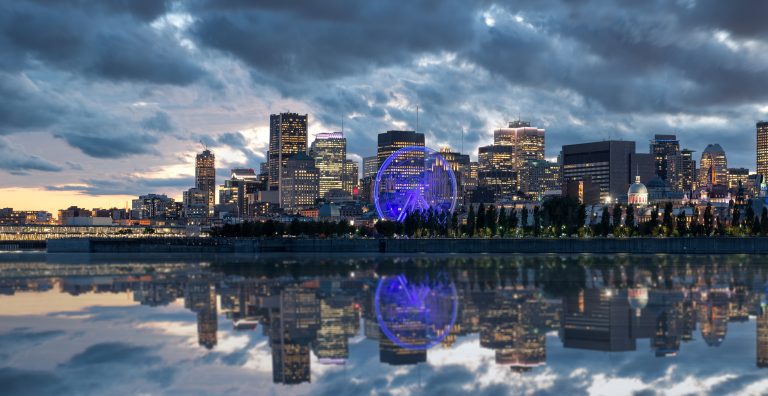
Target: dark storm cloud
<point x="96" y="141"/>
<point x="14" y="160"/>
<point x="113" y="353"/>
<point x="129" y="185"/>
<point x="96" y="40"/>
<point x="160" y="122"/>
<point x="292" y="41"/>
<point x="23" y="105"/>
<point x="31" y="382"/>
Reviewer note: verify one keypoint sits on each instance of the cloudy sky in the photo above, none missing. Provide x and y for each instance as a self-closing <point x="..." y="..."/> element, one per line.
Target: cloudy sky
<point x="103" y="100"/>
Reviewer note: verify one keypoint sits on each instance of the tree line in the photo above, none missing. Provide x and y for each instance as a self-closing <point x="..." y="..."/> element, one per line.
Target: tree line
<point x="563" y="216"/>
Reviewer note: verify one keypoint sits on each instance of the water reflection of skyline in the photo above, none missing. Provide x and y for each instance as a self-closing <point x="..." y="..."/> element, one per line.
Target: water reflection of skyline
<point x="599" y="304"/>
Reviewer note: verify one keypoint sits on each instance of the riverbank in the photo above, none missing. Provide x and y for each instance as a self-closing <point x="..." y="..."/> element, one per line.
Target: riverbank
<point x="697" y="245"/>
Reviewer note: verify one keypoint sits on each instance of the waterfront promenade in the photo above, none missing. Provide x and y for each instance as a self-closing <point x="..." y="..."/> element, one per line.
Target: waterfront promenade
<point x="649" y="245"/>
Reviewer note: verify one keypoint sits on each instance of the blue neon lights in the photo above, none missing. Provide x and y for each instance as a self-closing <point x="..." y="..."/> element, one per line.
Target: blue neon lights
<point x="414" y="179"/>
<point x="415" y="315"/>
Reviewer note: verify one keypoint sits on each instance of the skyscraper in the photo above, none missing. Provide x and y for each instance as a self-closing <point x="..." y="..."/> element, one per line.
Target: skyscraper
<point x="459" y="164"/>
<point x="205" y="177"/>
<point x="663" y="146"/>
<point x="300" y="183"/>
<point x="713" y="166"/>
<point x="681" y="170"/>
<point x="370" y="166"/>
<point x="349" y="176"/>
<point x="762" y="148"/>
<point x="762" y="335"/>
<point x="539" y="176"/>
<point x="611" y="165"/>
<point x="287" y="137"/>
<point x="527" y="141"/>
<point x="240" y="189"/>
<point x="497" y="170"/>
<point x="391" y="141"/>
<point x="329" y="151"/>
<point x="738" y="177"/>
<point x="411" y="164"/>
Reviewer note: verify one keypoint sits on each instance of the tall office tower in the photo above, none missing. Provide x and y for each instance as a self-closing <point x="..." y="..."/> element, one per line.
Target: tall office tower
<point x="713" y="168"/>
<point x="681" y="170"/>
<point x="762" y="148"/>
<point x="663" y="146"/>
<point x="762" y="336"/>
<point x="205" y="177"/>
<point x="292" y="328"/>
<point x="737" y="177"/>
<point x="200" y="297"/>
<point x="471" y="181"/>
<point x="537" y="177"/>
<point x="411" y="164"/>
<point x="338" y="320"/>
<point x="370" y="166"/>
<point x="152" y="206"/>
<point x="350" y="176"/>
<point x="391" y="141"/>
<point x="497" y="170"/>
<point x="527" y="141"/>
<point x="287" y="137"/>
<point x="240" y="189"/>
<point x="611" y="165"/>
<point x="459" y="164"/>
<point x="300" y="183"/>
<point x="195" y="205"/>
<point x="597" y="319"/>
<point x="329" y="151"/>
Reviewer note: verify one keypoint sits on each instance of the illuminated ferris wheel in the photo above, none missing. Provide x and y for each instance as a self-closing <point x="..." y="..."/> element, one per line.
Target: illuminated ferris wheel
<point x="414" y="179"/>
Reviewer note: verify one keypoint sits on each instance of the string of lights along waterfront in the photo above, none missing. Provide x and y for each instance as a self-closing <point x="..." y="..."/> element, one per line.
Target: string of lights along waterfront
<point x="321" y="181"/>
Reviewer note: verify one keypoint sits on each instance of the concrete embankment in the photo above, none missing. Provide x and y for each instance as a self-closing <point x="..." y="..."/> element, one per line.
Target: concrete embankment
<point x="752" y="245"/>
<point x="11" y="245"/>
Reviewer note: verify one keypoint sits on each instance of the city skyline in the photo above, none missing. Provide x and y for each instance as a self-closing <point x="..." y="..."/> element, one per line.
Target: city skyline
<point x="83" y="125"/>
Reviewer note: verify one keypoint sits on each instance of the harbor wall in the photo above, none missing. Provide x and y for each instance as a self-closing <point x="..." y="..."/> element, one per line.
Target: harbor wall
<point x="703" y="245"/>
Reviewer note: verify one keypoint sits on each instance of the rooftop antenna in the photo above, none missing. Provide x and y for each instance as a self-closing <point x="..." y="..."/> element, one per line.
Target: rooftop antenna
<point x="342" y="123"/>
<point x="462" y="140"/>
<point x="417" y="118"/>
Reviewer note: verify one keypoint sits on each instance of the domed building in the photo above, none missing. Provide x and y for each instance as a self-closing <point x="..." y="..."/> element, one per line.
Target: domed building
<point x="637" y="193"/>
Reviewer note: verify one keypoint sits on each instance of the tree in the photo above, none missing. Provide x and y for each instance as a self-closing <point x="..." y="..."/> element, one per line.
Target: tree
<point x="669" y="223"/>
<point x="502" y="221"/>
<point x="524" y="218"/>
<point x="455" y="222"/>
<point x="471" y="222"/>
<point x="651" y="225"/>
<point x="616" y="215"/>
<point x="480" y="222"/>
<point x="605" y="222"/>
<point x="513" y="220"/>
<point x="581" y="217"/>
<point x="736" y="217"/>
<point x="536" y="220"/>
<point x="695" y="226"/>
<point x="708" y="220"/>
<point x="764" y="222"/>
<point x="749" y="217"/>
<point x="490" y="220"/>
<point x="681" y="223"/>
<point x="629" y="219"/>
<point x="756" y="226"/>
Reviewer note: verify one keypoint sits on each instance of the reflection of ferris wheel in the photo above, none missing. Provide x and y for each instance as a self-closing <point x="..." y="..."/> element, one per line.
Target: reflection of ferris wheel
<point x="416" y="314"/>
<point x="414" y="179"/>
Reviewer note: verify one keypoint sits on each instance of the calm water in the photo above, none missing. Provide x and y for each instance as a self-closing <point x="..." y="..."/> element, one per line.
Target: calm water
<point x="390" y="325"/>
